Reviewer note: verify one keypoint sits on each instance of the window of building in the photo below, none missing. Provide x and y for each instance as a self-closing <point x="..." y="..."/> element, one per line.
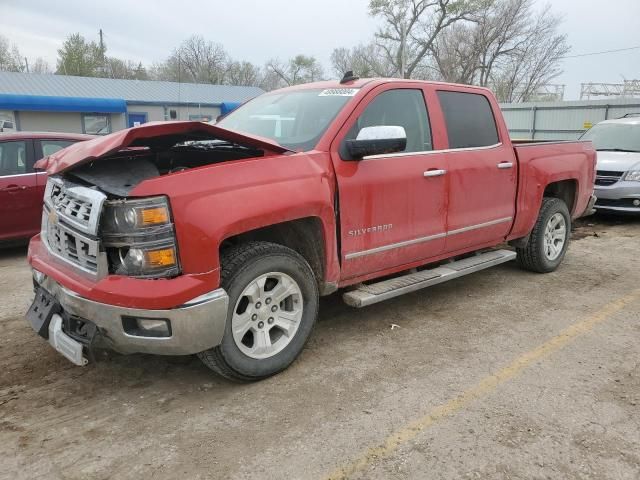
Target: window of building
<point x="13" y="158"/>
<point x="469" y="119"/>
<point x="96" y="124"/>
<point x="404" y="108"/>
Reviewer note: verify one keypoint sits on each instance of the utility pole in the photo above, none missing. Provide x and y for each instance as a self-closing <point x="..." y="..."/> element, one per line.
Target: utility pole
<point x="26" y="62"/>
<point x="403" y="56"/>
<point x="103" y="66"/>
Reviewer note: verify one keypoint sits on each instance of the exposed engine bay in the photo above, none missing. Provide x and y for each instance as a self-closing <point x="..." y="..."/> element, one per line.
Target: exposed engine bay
<point x="119" y="173"/>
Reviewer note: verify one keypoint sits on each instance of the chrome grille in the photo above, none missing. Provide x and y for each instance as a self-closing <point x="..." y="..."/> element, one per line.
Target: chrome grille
<point x="72" y="207"/>
<point x="605" y="178"/>
<point x="69" y="245"/>
<point x="76" y="205"/>
<point x="70" y="222"/>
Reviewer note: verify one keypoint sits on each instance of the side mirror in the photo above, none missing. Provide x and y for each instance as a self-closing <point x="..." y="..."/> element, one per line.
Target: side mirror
<point x="376" y="141"/>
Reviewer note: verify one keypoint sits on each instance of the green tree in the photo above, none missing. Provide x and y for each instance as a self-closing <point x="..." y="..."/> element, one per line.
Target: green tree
<point x="80" y="58"/>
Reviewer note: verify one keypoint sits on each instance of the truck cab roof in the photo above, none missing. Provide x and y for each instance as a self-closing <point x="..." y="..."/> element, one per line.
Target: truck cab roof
<point x="375" y="82"/>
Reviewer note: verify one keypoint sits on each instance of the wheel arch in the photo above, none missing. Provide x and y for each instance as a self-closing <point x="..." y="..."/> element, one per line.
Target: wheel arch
<point x="565" y="190"/>
<point x="306" y="236"/>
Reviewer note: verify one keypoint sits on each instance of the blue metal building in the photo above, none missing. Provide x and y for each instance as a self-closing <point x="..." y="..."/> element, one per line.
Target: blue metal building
<point x="34" y="102"/>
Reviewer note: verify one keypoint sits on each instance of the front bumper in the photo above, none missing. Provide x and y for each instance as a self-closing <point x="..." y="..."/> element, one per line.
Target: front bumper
<point x="195" y="326"/>
<point x="618" y="197"/>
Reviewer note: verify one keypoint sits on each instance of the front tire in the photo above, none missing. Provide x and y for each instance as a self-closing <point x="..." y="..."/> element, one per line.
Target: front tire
<point x="273" y="305"/>
<point x="549" y="238"/>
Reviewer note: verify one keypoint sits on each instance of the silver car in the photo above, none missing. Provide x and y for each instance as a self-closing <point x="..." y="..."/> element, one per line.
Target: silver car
<point x="618" y="178"/>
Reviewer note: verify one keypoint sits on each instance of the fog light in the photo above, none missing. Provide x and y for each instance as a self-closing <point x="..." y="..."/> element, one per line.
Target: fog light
<point x="636" y="202"/>
<point x="147" y="327"/>
<point x="38" y="276"/>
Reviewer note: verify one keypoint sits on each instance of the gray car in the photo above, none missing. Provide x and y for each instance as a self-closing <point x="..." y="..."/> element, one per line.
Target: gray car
<point x="618" y="178"/>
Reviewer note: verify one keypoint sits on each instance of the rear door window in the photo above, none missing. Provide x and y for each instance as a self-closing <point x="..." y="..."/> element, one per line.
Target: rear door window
<point x="49" y="147"/>
<point x="13" y="158"/>
<point x="469" y="119"/>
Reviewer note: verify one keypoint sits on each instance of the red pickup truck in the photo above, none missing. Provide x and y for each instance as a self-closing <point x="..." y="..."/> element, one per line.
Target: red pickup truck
<point x="184" y="237"/>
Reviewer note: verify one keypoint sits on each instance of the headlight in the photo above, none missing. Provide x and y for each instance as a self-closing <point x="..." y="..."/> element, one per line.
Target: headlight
<point x="139" y="237"/>
<point x="632" y="176"/>
<point x="148" y="260"/>
<point x="135" y="217"/>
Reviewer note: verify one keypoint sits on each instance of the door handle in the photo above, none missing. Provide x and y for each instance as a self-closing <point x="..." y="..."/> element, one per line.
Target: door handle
<point x="504" y="165"/>
<point x="434" y="173"/>
<point x="15" y="188"/>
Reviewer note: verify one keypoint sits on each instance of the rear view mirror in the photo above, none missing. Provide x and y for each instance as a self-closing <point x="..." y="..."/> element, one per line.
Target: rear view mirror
<point x="377" y="140"/>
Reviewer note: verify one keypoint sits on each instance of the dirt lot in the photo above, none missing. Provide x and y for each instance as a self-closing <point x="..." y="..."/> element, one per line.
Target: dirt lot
<point x="503" y="374"/>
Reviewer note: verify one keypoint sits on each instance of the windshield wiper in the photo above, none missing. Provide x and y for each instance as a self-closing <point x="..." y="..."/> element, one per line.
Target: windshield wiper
<point x="206" y="144"/>
<point x="616" y="150"/>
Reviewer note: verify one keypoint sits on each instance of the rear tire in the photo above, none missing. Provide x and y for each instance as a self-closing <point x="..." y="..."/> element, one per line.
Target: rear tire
<point x="273" y="305"/>
<point x="549" y="238"/>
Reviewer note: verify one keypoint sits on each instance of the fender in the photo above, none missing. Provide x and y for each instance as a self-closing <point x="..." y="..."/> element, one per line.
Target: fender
<point x="558" y="162"/>
<point x="212" y="203"/>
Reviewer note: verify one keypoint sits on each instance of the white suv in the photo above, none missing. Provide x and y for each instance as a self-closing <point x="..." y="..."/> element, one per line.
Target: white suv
<point x="618" y="178"/>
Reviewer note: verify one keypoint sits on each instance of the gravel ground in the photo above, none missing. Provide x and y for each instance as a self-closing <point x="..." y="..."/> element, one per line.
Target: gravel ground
<point x="502" y="374"/>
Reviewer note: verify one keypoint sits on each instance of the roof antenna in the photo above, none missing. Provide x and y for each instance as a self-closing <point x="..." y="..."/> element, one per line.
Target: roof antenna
<point x="349" y="77"/>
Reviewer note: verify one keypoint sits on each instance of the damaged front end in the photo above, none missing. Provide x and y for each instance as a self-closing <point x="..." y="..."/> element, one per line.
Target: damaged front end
<point x="106" y="265"/>
<point x="91" y="222"/>
<point x="118" y="162"/>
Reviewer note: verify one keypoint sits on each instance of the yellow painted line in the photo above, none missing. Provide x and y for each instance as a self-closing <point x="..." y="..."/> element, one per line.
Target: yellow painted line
<point x="481" y="389"/>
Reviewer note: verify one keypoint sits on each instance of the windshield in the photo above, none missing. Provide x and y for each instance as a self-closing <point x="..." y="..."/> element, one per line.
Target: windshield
<point x="622" y="137"/>
<point x="295" y="120"/>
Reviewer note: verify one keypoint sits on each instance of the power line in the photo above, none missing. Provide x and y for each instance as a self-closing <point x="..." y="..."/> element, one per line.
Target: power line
<point x="603" y="52"/>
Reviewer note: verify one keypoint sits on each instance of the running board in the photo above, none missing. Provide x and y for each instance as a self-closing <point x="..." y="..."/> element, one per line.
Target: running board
<point x="377" y="292"/>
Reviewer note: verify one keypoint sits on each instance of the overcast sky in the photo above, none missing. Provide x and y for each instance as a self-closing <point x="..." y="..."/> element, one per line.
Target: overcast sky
<point x="255" y="30"/>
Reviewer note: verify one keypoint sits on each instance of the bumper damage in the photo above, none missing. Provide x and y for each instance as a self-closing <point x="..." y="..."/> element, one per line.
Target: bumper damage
<point x="193" y="327"/>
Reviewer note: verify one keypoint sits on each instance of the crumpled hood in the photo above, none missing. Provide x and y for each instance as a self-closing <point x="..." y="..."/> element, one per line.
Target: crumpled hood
<point x="617" y="161"/>
<point x="152" y="134"/>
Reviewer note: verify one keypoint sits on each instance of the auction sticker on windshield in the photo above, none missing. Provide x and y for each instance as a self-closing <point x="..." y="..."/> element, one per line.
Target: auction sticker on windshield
<point x="338" y="92"/>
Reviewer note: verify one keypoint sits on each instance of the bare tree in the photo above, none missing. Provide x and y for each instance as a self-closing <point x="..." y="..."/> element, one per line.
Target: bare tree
<point x="10" y="57"/>
<point x="534" y="62"/>
<point x="499" y="34"/>
<point x="364" y="60"/>
<point x="456" y="55"/>
<point x="196" y="60"/>
<point x="468" y="51"/>
<point x="243" y="73"/>
<point x="509" y="48"/>
<point x="40" y="65"/>
<point x="411" y="27"/>
<point x="270" y="80"/>
<point x="299" y="69"/>
<point x="124" y="69"/>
